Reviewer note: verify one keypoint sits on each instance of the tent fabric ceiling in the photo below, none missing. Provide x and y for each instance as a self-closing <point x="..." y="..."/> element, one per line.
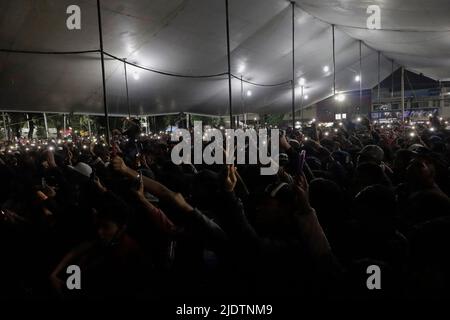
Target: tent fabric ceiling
<point x="189" y="37"/>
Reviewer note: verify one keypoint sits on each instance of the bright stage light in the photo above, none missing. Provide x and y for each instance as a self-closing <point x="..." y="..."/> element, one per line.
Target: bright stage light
<point x="340" y="97"/>
<point x="306" y="97"/>
<point x="249" y="93"/>
<point x="326" y="69"/>
<point x="302" y="81"/>
<point x="357" y="78"/>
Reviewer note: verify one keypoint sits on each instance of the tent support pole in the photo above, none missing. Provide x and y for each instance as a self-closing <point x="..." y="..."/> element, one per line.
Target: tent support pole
<point x="105" y="106"/>
<point x="230" y="102"/>
<point x="379" y="77"/>
<point x="392" y="79"/>
<point x="89" y="125"/>
<point x="5" y="127"/>
<point x="334" y="60"/>
<point x="360" y="75"/>
<point x="64" y="125"/>
<point x="403" y="95"/>
<point x="46" y="125"/>
<point x="293" y="64"/>
<point x="126" y="86"/>
<point x="301" y="105"/>
<point x="243" y="104"/>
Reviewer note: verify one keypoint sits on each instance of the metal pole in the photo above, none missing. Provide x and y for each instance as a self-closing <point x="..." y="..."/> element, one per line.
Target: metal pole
<point x="46" y="125"/>
<point x="5" y="127"/>
<point x="242" y="97"/>
<point x="126" y="86"/>
<point x="89" y="126"/>
<point x="301" y="105"/>
<point x="360" y="75"/>
<point x="229" y="67"/>
<point x="403" y="94"/>
<point x="64" y="125"/>
<point x="379" y="76"/>
<point x="105" y="106"/>
<point x="334" y="61"/>
<point x="293" y="64"/>
<point x="392" y="79"/>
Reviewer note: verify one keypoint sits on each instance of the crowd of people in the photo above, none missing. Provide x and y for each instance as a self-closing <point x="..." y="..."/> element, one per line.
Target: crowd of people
<point x="139" y="226"/>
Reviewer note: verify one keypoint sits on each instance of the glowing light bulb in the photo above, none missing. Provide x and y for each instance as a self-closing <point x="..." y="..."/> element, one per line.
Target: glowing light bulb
<point x="357" y="78"/>
<point x="326" y="69"/>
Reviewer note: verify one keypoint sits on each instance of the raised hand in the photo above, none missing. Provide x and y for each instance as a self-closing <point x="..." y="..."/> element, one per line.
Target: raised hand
<point x="230" y="179"/>
<point x="119" y="165"/>
<point x="302" y="198"/>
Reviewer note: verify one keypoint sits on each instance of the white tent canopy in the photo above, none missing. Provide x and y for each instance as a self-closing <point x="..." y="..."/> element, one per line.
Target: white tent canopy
<point x="188" y="37"/>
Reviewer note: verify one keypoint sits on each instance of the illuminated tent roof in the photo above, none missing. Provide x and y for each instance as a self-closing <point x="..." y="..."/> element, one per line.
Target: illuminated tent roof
<point x="188" y="37"/>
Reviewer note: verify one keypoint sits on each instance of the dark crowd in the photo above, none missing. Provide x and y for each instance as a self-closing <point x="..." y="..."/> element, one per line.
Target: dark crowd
<point x="140" y="227"/>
